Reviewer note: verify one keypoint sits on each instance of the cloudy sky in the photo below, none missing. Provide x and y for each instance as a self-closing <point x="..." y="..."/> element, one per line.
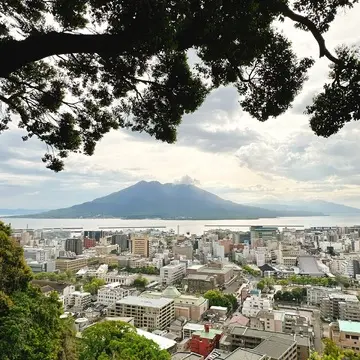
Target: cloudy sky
<point x="219" y="148"/>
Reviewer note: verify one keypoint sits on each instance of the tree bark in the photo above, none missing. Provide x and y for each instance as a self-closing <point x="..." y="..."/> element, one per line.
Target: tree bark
<point x="16" y="53"/>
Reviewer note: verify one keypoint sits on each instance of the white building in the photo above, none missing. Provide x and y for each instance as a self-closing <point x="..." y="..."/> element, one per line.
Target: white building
<point x="316" y="293"/>
<point x="253" y="304"/>
<point x="173" y="272"/>
<point x="260" y="256"/>
<point x="77" y="300"/>
<point x="219" y="251"/>
<point x="124" y="278"/>
<point x="36" y="254"/>
<point x="110" y="293"/>
<point x="148" y="313"/>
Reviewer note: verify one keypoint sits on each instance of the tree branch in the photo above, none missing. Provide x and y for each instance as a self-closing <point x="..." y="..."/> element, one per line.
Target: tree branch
<point x="15" y="54"/>
<point x="287" y="12"/>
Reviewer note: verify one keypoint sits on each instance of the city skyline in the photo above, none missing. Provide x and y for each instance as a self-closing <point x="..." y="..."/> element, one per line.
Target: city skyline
<point x="220" y="149"/>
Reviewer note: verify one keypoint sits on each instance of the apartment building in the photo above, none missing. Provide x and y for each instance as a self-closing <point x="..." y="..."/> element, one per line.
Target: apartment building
<point x="184" y="250"/>
<point x="70" y="264"/>
<point x="111" y="293"/>
<point x="276" y="346"/>
<point x="77" y="300"/>
<point x="316" y="293"/>
<point x="172" y="273"/>
<point x="147" y="313"/>
<point x="281" y="321"/>
<point x="140" y="245"/>
<point x="253" y="304"/>
<point x="346" y="334"/>
<point x="74" y="245"/>
<point x="339" y="306"/>
<point x="36" y="254"/>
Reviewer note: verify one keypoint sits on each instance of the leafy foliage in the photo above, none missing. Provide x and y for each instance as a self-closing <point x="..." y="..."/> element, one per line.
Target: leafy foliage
<point x="249" y="270"/>
<point x="30" y="324"/>
<point x="309" y="280"/>
<point x="14" y="273"/>
<point x="333" y="352"/>
<point x="66" y="276"/>
<point x="217" y="298"/>
<point x="74" y="70"/>
<point x="94" y="285"/>
<point x="140" y="282"/>
<point x="117" y="340"/>
<point x="297" y="295"/>
<point x="150" y="270"/>
<point x="265" y="283"/>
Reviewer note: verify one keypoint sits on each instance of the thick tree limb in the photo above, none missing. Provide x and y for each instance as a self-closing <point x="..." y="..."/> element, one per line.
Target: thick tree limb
<point x="287" y="12"/>
<point x="15" y="54"/>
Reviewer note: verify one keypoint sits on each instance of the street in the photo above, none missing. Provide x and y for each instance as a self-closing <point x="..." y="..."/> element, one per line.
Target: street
<point x="317" y="324"/>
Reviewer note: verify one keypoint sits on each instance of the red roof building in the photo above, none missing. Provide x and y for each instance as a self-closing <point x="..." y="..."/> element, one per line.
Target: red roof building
<point x="205" y="341"/>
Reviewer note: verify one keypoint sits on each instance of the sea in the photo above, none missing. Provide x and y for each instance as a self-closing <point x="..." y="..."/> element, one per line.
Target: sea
<point x="197" y="227"/>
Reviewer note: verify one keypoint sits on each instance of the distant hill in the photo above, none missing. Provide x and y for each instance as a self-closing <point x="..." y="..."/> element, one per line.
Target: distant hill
<point x="12" y="212"/>
<point x="166" y="201"/>
<point x="325" y="207"/>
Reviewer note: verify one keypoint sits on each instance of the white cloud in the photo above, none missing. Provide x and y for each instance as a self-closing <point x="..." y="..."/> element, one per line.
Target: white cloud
<point x="219" y="147"/>
<point x="187" y="180"/>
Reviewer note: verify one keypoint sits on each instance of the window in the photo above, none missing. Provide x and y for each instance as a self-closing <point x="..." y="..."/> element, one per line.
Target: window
<point x="347" y="336"/>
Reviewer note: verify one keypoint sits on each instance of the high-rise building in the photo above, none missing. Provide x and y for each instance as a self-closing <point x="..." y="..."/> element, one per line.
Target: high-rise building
<point x="140" y="245"/>
<point x="259" y="235"/>
<point x="122" y="240"/>
<point x="74" y="245"/>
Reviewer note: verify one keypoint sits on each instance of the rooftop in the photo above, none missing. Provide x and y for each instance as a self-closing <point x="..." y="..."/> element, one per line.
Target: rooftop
<point x="244" y="354"/>
<point x="163" y="342"/>
<point x="341" y="296"/>
<point x="146" y="302"/>
<point x="191" y="326"/>
<point x="186" y="356"/>
<point x="275" y="346"/>
<point x="349" y="326"/>
<point x="262" y="334"/>
<point x="208" y="335"/>
<point x="203" y="277"/>
<point x="308" y="265"/>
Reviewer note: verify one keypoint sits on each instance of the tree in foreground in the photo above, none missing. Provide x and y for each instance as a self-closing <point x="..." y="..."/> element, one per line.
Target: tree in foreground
<point x="333" y="352"/>
<point x="116" y="340"/>
<point x="30" y="324"/>
<point x="72" y="70"/>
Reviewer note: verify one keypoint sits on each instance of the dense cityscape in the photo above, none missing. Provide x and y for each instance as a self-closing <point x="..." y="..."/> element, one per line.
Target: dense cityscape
<point x="266" y="293"/>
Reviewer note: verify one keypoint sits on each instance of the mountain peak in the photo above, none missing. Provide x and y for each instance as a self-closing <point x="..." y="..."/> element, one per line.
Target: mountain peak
<point x="151" y="199"/>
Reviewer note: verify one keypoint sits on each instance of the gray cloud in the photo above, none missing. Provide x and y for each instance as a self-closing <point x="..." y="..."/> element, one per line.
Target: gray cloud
<point x="25" y="182"/>
<point x="213" y="127"/>
<point x="305" y="157"/>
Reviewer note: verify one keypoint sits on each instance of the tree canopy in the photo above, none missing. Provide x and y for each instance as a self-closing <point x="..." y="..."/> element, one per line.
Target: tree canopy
<point x="72" y="70"/>
<point x="140" y="282"/>
<point x="94" y="285"/>
<point x="30" y="324"/>
<point x="117" y="340"/>
<point x="333" y="352"/>
<point x="217" y="298"/>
